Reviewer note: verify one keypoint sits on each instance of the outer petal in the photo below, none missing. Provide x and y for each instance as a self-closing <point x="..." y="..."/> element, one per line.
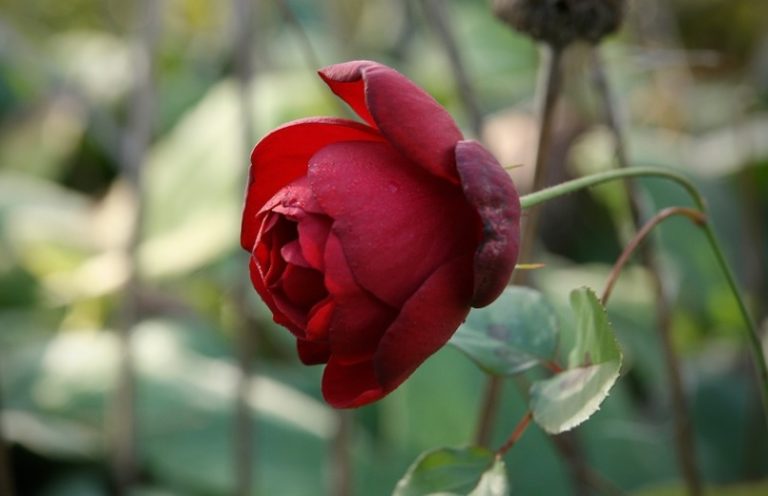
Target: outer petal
<point x="491" y="191"/>
<point x="410" y="119"/>
<point x="282" y="156"/>
<point x="359" y="319"/>
<point x="349" y="385"/>
<point x="426" y="322"/>
<point x="313" y="352"/>
<point x="278" y="316"/>
<point x="396" y="223"/>
<point x="313" y="233"/>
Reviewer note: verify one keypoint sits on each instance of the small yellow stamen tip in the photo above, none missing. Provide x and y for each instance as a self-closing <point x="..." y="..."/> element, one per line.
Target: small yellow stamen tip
<point x="530" y="266"/>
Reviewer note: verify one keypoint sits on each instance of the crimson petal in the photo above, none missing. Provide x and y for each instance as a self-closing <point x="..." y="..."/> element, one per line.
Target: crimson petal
<point x="426" y="322"/>
<point x="410" y="119"/>
<point x="313" y="233"/>
<point x="349" y="385"/>
<point x="313" y="352"/>
<point x="359" y="319"/>
<point x="282" y="156"/>
<point x="389" y="211"/>
<point x="277" y="315"/>
<point x="490" y="190"/>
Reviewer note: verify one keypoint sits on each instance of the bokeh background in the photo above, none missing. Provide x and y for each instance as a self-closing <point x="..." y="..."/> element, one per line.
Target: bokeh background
<point x="125" y="129"/>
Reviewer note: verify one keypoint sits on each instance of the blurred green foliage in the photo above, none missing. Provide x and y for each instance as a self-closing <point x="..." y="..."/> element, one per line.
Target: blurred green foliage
<point x="66" y="76"/>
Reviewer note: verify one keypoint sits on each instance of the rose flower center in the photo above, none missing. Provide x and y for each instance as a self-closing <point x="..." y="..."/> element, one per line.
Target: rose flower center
<point x="291" y="271"/>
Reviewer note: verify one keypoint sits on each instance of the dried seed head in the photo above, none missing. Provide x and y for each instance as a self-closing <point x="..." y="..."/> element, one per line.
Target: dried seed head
<point x="561" y="22"/>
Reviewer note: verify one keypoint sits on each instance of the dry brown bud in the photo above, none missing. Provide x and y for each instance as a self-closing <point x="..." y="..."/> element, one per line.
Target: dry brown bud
<point x="561" y="22"/>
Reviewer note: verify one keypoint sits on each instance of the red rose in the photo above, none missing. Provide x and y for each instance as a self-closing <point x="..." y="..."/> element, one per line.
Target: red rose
<point x="370" y="242"/>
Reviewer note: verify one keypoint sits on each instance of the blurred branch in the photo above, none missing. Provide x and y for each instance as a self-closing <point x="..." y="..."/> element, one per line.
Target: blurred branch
<point x="6" y="477"/>
<point x="243" y="28"/>
<point x="137" y="136"/>
<point x="439" y="16"/>
<point x="547" y="93"/>
<point x="516" y="434"/>
<point x="308" y="50"/>
<point x="694" y="215"/>
<point x="568" y="446"/>
<point x="686" y="452"/>
<point x="310" y="55"/>
<point x="341" y="459"/>
<point x="489" y="408"/>
<point x="405" y="35"/>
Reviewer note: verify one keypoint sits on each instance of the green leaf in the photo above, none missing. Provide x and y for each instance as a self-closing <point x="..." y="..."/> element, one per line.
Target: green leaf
<point x="493" y="482"/>
<point x="572" y="396"/>
<point x="513" y="334"/>
<point x="595" y="339"/>
<point x="446" y="471"/>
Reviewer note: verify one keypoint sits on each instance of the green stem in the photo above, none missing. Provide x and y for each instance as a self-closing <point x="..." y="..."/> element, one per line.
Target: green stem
<point x="533" y="199"/>
<point x="543" y="195"/>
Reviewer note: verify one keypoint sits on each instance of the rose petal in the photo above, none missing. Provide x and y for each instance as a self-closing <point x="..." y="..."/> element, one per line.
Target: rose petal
<point x="320" y="320"/>
<point x="359" y="319"/>
<point x="277" y="315"/>
<point x="349" y="385"/>
<point x="292" y="254"/>
<point x="312" y="352"/>
<point x="289" y="311"/>
<point x="396" y="223"/>
<point x="282" y="156"/>
<point x="410" y="119"/>
<point x="302" y="287"/>
<point x="426" y="322"/>
<point x="490" y="190"/>
<point x="313" y="233"/>
<point x="281" y="232"/>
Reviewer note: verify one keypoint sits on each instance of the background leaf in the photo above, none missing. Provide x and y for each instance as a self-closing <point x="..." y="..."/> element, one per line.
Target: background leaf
<point x="572" y="396"/>
<point x="445" y="470"/>
<point x="494" y="481"/>
<point x="511" y="335"/>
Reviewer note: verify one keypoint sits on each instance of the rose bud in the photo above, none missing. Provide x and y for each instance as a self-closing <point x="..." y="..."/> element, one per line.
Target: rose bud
<point x="371" y="241"/>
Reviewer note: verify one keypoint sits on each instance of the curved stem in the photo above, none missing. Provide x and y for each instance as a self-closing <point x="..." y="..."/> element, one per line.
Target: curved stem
<point x="754" y="338"/>
<point x="538" y="197"/>
<point x="684" y="438"/>
<point x="516" y="434"/>
<point x="488" y="409"/>
<point x="696" y="216"/>
<point x="683" y="430"/>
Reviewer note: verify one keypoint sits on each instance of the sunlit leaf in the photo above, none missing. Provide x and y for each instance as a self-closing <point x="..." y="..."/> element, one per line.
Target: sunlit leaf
<point x="572" y="396"/>
<point x="494" y="481"/>
<point x="513" y="334"/>
<point x="446" y="471"/>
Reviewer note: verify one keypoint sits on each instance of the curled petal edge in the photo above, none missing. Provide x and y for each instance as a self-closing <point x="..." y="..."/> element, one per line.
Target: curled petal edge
<point x="411" y="120"/>
<point x="490" y="190"/>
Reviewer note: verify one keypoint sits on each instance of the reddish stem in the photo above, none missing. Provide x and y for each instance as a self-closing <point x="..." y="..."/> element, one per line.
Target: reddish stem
<point x="516" y="434"/>
<point x="695" y="215"/>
